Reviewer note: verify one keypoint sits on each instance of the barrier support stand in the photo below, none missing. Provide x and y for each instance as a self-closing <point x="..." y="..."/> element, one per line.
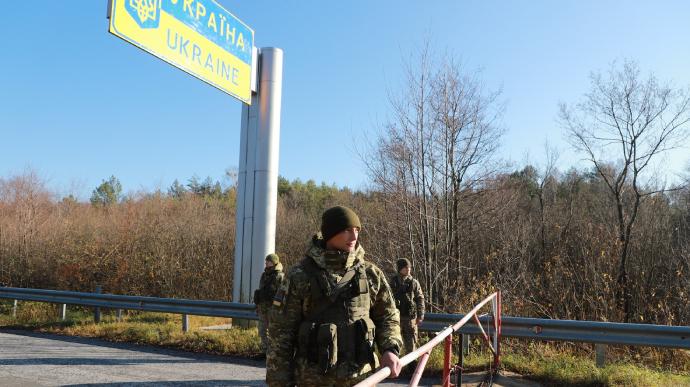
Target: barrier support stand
<point x="447" y="356"/>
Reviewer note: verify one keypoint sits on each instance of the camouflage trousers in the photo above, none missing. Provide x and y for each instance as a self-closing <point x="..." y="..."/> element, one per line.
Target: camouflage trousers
<point x="308" y="375"/>
<point x="263" y="329"/>
<point x="408" y="328"/>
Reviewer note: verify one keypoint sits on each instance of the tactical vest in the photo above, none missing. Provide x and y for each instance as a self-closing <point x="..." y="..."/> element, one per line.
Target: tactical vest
<point x="267" y="288"/>
<point x="403" y="292"/>
<point x="337" y="331"/>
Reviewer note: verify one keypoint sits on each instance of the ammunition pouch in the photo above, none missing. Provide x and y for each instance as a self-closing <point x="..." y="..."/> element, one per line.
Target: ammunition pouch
<point x="365" y="333"/>
<point x="318" y="343"/>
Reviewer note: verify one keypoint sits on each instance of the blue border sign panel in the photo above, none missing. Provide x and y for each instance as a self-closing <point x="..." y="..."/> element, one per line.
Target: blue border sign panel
<point x="197" y="36"/>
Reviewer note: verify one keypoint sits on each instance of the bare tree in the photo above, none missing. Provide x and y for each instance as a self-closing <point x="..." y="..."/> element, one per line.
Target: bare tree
<point x="436" y="149"/>
<point x="545" y="177"/>
<point x="630" y="121"/>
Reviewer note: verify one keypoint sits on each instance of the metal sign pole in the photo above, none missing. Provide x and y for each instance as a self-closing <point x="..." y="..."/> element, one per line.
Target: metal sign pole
<point x="257" y="195"/>
<point x="267" y="154"/>
<point x="245" y="203"/>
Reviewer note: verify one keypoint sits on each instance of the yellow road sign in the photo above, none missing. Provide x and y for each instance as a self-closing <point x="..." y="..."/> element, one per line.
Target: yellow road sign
<point x="197" y="36"/>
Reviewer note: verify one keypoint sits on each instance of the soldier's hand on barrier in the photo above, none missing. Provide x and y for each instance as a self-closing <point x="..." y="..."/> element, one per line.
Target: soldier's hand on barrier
<point x="419" y="321"/>
<point x="392" y="361"/>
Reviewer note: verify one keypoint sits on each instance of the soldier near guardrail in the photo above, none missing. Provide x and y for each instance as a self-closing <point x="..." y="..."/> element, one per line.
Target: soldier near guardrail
<point x="331" y="312"/>
<point x="269" y="283"/>
<point x="409" y="299"/>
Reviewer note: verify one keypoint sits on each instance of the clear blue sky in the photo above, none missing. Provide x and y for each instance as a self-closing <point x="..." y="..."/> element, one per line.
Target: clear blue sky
<point x="78" y="104"/>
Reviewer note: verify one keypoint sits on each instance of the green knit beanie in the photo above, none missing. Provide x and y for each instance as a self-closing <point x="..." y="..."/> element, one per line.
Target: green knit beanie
<point x="337" y="219"/>
<point x="402" y="263"/>
<point x="273" y="258"/>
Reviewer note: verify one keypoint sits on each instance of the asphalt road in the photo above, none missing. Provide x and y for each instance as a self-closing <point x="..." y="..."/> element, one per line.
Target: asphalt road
<point x="35" y="359"/>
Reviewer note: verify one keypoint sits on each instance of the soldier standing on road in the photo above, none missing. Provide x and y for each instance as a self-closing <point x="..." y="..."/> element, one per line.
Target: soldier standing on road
<point x="333" y="307"/>
<point x="269" y="283"/>
<point x="410" y="301"/>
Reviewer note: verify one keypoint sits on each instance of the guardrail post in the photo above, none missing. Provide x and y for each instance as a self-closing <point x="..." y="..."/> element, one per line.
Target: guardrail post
<point x="14" y="309"/>
<point x="464" y="351"/>
<point x="447" y="356"/>
<point x="600" y="350"/>
<point x="185" y="323"/>
<point x="97" y="310"/>
<point x="63" y="312"/>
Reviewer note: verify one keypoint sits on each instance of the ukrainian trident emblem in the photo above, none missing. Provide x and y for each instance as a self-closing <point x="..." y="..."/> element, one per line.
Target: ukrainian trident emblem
<point x="144" y="12"/>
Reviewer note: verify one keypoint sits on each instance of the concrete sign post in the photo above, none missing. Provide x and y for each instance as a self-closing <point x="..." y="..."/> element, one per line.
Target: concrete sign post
<point x="203" y="39"/>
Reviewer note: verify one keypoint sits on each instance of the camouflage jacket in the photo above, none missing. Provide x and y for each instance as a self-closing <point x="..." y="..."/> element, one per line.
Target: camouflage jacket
<point x="294" y="303"/>
<point x="408" y="296"/>
<point x="268" y="286"/>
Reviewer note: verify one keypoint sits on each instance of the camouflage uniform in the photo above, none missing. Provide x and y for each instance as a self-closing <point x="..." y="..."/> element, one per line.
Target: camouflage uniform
<point x="410" y="301"/>
<point x="270" y="281"/>
<point x="318" y="343"/>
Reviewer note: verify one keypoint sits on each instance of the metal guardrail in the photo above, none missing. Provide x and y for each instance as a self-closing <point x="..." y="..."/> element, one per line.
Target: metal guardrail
<point x="576" y="331"/>
<point x="520" y="327"/>
<point x="151" y="304"/>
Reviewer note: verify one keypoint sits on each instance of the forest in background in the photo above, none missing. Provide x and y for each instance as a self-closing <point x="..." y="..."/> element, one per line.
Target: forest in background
<point x="551" y="246"/>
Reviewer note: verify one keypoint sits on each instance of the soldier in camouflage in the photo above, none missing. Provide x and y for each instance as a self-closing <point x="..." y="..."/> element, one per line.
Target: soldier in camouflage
<point x="331" y="312"/>
<point x="269" y="283"/>
<point x="410" y="301"/>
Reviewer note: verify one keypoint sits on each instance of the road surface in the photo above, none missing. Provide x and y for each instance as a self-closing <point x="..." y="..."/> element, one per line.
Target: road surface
<point x="37" y="359"/>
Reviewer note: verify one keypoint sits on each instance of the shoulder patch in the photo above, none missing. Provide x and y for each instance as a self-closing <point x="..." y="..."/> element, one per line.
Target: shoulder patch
<point x="279" y="298"/>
